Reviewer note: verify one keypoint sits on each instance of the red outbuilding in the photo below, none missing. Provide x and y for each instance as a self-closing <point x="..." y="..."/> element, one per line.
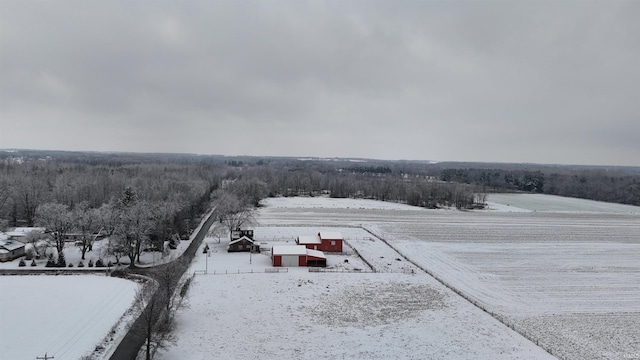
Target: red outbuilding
<point x="312" y="242"/>
<point x="324" y="241"/>
<point x="297" y="255"/>
<point x="331" y="241"/>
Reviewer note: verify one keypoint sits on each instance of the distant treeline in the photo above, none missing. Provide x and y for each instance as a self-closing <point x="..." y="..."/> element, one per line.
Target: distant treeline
<point x="598" y="184"/>
<point x="184" y="183"/>
<point x="180" y="187"/>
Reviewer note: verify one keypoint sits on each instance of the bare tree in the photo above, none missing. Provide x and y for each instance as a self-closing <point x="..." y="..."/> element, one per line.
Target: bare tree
<point x="109" y="217"/>
<point x="88" y="223"/>
<point x="232" y="212"/>
<point x="135" y="221"/>
<point x="30" y="193"/>
<point x="168" y="278"/>
<point x="159" y="302"/>
<point x="163" y="214"/>
<point x="56" y="218"/>
<point x="217" y="230"/>
<point x="250" y="191"/>
<point x="155" y="326"/>
<point x="5" y="188"/>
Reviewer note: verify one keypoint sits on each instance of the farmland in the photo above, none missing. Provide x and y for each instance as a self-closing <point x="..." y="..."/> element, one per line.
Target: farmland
<point x="63" y="316"/>
<point x="564" y="276"/>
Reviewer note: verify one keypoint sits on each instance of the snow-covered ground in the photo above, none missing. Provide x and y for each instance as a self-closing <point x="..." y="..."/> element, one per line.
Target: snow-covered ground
<point x="62" y="316"/>
<point x="303" y="315"/>
<point x="68" y="316"/>
<point x="73" y="255"/>
<point x="551" y="203"/>
<point x="563" y="274"/>
<point x="324" y="202"/>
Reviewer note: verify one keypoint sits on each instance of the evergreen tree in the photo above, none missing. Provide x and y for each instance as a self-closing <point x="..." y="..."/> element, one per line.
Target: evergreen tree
<point x="61" y="260"/>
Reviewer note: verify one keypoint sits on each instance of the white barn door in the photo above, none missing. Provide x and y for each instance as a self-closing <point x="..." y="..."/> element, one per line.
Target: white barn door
<point x="289" y="260"/>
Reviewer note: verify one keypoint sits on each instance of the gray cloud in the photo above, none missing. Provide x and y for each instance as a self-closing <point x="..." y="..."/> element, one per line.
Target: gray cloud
<point x="526" y="81"/>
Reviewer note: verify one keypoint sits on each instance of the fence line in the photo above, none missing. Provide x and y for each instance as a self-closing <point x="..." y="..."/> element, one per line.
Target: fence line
<point x="478" y="304"/>
<point x="293" y="239"/>
<point x="373" y="269"/>
<point x="236" y="272"/>
<point x="325" y="270"/>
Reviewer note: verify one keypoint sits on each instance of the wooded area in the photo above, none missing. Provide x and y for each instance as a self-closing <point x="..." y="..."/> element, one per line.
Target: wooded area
<point x="146" y="200"/>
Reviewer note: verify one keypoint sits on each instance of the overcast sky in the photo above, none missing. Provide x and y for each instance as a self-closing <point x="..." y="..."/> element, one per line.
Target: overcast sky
<point x="494" y="81"/>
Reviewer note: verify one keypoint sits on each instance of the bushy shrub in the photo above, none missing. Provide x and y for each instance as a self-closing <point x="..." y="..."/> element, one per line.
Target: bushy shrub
<point x="91" y="263"/>
<point x="80" y="264"/>
<point x="33" y="262"/>
<point x="99" y="263"/>
<point x="22" y="263"/>
<point x="70" y="264"/>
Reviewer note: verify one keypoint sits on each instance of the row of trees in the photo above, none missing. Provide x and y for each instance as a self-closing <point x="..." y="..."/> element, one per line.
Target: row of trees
<point x="594" y="184"/>
<point x="28" y="184"/>
<point x="138" y="206"/>
<point x="157" y="302"/>
<point x="179" y="187"/>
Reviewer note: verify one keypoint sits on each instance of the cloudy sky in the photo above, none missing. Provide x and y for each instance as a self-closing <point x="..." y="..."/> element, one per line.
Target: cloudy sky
<point x="494" y="81"/>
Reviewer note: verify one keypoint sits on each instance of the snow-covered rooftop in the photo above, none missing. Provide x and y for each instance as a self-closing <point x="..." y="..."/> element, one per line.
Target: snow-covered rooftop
<point x="289" y="250"/>
<point x="23" y="231"/>
<point x="239" y="240"/>
<point x="10" y="245"/>
<point x="309" y="239"/>
<point x="316" y="253"/>
<point x="330" y="235"/>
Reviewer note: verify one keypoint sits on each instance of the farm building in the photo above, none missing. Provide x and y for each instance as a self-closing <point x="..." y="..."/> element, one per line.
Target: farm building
<point x="316" y="258"/>
<point x="297" y="255"/>
<point x="20" y="233"/>
<point x="310" y="242"/>
<point x="331" y="241"/>
<point x="10" y="249"/>
<point x="243" y="244"/>
<point x="324" y="241"/>
<point x="237" y="234"/>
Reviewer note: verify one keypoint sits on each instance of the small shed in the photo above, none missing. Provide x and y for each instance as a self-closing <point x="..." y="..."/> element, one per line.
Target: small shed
<point x="289" y="255"/>
<point x="297" y="255"/>
<point x="316" y="258"/>
<point x="330" y="241"/>
<point x="10" y="250"/>
<point x="243" y="244"/>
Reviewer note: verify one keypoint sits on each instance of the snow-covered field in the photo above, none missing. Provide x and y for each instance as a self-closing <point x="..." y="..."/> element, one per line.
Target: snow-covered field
<point x="551" y="203"/>
<point x="62" y="316"/>
<point x="68" y="316"/>
<point x="303" y="315"/>
<point x="566" y="274"/>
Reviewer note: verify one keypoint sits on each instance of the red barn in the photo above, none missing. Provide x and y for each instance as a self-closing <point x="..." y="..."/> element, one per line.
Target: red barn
<point x="297" y="255"/>
<point x="324" y="241"/>
<point x="312" y="242"/>
<point x="289" y="255"/>
<point x="330" y="241"/>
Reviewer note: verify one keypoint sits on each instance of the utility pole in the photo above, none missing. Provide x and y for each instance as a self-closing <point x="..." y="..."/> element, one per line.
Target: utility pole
<point x="46" y="357"/>
<point x="206" y="259"/>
